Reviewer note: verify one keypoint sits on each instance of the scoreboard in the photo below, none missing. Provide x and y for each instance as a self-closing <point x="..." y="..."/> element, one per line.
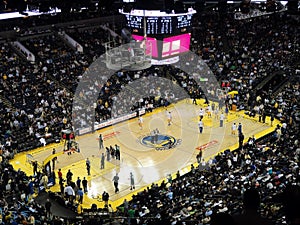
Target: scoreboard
<point x="159" y="25"/>
<point x="157" y="22"/>
<point x="168" y="35"/>
<point x="184" y="21"/>
<point x="135" y="22"/>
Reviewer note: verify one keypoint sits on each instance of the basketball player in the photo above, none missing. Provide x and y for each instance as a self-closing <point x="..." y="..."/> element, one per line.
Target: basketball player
<point x="101" y="146"/>
<point x="156" y="133"/>
<point x="169" y="116"/>
<point x="233" y="129"/>
<point x="116" y="182"/>
<point x="216" y="112"/>
<point x="209" y="111"/>
<point x="201" y="113"/>
<point x="200" y="125"/>
<point x="141" y="121"/>
<point x="131" y="178"/>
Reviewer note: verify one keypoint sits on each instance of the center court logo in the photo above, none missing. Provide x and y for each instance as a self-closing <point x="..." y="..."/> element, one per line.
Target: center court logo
<point x="160" y="142"/>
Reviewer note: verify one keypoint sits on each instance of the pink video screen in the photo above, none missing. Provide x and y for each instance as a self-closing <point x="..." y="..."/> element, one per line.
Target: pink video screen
<point x="176" y="45"/>
<point x="151" y="41"/>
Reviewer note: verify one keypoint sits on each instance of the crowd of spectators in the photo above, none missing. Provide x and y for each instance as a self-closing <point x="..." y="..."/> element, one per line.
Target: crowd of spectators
<point x="35" y="104"/>
<point x="38" y="104"/>
<point x="17" y="204"/>
<point x="92" y="39"/>
<point x="243" y="53"/>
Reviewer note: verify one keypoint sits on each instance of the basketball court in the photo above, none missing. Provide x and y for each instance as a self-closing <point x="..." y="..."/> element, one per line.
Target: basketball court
<point x="150" y="161"/>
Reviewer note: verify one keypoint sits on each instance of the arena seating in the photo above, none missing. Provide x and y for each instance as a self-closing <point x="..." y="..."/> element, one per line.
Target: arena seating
<point x="36" y="100"/>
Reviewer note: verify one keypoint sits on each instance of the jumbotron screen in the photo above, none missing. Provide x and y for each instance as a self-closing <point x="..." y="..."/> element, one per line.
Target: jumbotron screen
<point x="167" y="33"/>
<point x="157" y="22"/>
<point x="176" y="45"/>
<point x="169" y="46"/>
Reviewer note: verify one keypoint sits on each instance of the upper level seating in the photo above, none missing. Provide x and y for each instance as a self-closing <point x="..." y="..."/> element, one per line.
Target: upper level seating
<point x="243" y="53"/>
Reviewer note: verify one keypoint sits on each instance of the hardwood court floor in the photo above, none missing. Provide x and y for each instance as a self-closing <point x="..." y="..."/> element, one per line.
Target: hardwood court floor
<point x="146" y="163"/>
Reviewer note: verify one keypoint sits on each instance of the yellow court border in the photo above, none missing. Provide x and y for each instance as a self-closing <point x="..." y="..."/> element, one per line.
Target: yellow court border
<point x="109" y="166"/>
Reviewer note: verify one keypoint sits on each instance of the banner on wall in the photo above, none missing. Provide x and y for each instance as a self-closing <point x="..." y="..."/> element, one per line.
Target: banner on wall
<point x="111" y="122"/>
